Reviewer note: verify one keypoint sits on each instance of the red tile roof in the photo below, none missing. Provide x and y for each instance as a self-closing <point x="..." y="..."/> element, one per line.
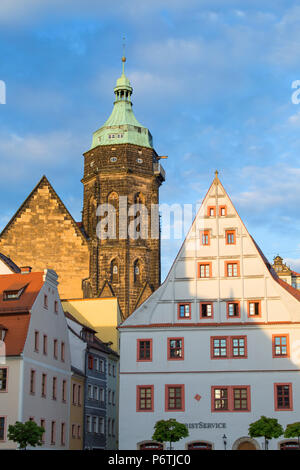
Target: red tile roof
<point x="294" y="292"/>
<point x="15" y="314"/>
<point x="291" y="290"/>
<point x="17" y="328"/>
<point x="8" y="282"/>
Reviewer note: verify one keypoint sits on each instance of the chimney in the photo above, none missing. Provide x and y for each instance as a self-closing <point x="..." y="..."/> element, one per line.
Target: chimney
<point x="25" y="269"/>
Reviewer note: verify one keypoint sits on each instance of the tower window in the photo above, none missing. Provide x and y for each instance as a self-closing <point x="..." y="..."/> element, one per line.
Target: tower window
<point x="137" y="271"/>
<point x="114" y="271"/>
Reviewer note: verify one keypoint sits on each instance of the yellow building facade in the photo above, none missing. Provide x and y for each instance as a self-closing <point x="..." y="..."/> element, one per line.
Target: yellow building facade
<point x="102" y="315"/>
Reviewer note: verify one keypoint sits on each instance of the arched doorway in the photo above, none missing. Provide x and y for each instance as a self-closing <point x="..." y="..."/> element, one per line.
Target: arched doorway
<point x="199" y="445"/>
<point x="246" y="443"/>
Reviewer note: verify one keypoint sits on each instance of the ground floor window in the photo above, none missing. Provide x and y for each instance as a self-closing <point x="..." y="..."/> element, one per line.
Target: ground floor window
<point x="2" y="428"/>
<point x="289" y="445"/>
<point x="151" y="446"/>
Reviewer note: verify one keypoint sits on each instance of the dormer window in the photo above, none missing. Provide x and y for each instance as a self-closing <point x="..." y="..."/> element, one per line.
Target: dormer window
<point x="13" y="294"/>
<point x="87" y="335"/>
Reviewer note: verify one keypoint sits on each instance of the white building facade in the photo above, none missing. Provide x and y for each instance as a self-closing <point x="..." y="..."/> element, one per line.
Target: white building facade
<point x="216" y="346"/>
<point x="36" y="368"/>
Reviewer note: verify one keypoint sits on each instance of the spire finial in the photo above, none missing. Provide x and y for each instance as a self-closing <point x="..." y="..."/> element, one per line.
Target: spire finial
<point x="216" y="173"/>
<point x="123" y="58"/>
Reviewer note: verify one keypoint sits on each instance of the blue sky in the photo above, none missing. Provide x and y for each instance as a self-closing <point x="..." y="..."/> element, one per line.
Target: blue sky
<point x="212" y="81"/>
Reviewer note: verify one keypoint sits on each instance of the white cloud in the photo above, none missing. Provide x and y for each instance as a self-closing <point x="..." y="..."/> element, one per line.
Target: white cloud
<point x="22" y="155"/>
<point x="28" y="11"/>
<point x="40" y="100"/>
<point x="274" y="188"/>
<point x="294" y="263"/>
<point x="294" y="119"/>
<point x="240" y="13"/>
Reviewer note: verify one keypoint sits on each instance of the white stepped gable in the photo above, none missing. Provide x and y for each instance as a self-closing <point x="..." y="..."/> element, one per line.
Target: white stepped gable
<point x="253" y="280"/>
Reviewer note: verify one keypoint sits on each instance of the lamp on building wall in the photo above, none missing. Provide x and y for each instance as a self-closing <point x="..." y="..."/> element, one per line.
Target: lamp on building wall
<point x="266" y="444"/>
<point x="225" y="441"/>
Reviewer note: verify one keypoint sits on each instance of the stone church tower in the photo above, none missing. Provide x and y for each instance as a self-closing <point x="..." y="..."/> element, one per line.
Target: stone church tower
<point x="122" y="169"/>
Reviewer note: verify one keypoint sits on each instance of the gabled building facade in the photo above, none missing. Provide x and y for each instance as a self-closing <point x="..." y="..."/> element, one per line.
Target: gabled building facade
<point x="35" y="367"/>
<point x="99" y="400"/>
<point x="216" y="346"/>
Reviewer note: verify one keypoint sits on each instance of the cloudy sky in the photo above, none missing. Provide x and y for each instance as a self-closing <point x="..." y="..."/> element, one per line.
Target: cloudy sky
<point x="212" y="81"/>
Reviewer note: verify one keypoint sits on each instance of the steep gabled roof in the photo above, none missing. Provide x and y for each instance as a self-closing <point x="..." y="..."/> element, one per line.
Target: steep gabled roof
<point x="291" y="290"/>
<point x="146" y="291"/>
<point x="44" y="182"/>
<point x="17" y="329"/>
<point x="15" y="314"/>
<point x="181" y="284"/>
<point x="106" y="290"/>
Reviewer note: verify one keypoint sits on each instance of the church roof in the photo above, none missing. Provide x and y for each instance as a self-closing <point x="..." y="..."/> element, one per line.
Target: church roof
<point x="44" y="181"/>
<point x="122" y="127"/>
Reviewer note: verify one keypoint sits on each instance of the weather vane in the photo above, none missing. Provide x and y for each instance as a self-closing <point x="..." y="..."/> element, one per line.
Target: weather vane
<point x="123" y="58"/>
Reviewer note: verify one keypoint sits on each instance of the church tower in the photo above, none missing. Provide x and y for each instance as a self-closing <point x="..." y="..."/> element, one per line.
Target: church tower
<point x="123" y="170"/>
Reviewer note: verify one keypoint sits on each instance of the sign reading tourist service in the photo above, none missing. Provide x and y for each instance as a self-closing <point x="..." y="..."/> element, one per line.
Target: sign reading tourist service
<point x="201" y="425"/>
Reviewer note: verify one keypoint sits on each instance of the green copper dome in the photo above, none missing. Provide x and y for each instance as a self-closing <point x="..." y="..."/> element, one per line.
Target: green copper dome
<point x="122" y="127"/>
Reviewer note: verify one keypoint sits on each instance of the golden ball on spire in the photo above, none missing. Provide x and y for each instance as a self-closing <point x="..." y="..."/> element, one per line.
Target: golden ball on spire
<point x="123" y="59"/>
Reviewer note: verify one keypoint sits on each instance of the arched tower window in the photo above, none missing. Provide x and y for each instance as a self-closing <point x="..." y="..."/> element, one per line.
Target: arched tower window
<point x="140" y="201"/>
<point x="137" y="274"/>
<point x="113" y="198"/>
<point x="114" y="271"/>
<point x="139" y="198"/>
<point x="92" y="221"/>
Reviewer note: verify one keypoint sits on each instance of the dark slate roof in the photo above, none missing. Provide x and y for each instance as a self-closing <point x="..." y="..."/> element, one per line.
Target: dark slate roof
<point x="10" y="263"/>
